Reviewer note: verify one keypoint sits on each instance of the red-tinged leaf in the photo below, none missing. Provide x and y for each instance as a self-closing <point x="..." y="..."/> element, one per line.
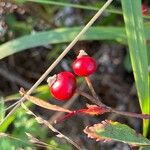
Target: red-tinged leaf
<point x="109" y="130"/>
<point x="42" y="103"/>
<point x="93" y="110"/>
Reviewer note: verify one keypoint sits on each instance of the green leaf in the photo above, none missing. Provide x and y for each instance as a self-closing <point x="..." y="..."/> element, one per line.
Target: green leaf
<point x="60" y="36"/>
<point x="137" y="49"/>
<point x="78" y="6"/>
<point x="108" y="130"/>
<point x="65" y="4"/>
<point x="63" y="35"/>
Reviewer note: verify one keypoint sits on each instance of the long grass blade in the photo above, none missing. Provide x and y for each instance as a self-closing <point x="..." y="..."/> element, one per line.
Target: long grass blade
<point x="60" y="36"/>
<point x="138" y="54"/>
<point x="78" y="6"/>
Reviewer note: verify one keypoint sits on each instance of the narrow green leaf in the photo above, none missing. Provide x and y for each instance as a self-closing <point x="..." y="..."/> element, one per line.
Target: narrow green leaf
<point x="137" y="49"/>
<point x="60" y="36"/>
<point x="108" y="130"/>
<point x="65" y="4"/>
<point x="78" y="6"/>
<point x="2" y="109"/>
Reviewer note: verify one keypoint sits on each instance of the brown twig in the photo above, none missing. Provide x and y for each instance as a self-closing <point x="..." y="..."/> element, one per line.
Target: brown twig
<point x="90" y="85"/>
<point x="131" y="114"/>
<point x="111" y="110"/>
<point x="91" y="98"/>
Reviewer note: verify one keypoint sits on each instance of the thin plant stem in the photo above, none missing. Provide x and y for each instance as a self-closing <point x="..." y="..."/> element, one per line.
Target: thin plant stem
<point x="9" y="107"/>
<point x="111" y="110"/>
<point x="91" y="98"/>
<point x="90" y="85"/>
<point x="68" y="48"/>
<point x="135" y="115"/>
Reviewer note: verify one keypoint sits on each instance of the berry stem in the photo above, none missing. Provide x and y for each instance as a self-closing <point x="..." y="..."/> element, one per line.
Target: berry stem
<point x="111" y="110"/>
<point x="90" y="85"/>
<point x="130" y="114"/>
<point x="91" y="98"/>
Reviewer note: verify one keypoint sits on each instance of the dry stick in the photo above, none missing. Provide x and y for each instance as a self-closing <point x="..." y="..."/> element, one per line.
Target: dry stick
<point x="60" y="57"/>
<point x="111" y="110"/>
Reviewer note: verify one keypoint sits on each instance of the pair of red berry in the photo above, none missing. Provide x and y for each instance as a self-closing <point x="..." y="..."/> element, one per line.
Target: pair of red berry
<point x="63" y="85"/>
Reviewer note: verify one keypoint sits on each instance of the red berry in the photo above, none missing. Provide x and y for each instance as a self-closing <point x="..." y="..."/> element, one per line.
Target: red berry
<point x="84" y="66"/>
<point x="63" y="86"/>
<point x="144" y="9"/>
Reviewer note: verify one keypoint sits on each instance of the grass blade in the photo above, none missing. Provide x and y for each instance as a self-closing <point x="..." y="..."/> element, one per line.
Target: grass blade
<point x="137" y="49"/>
<point x="65" y="4"/>
<point x="62" y="35"/>
<point x="78" y="6"/>
<point x="59" y="36"/>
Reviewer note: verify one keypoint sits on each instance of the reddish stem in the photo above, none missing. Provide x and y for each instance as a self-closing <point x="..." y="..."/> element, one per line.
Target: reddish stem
<point x="65" y="117"/>
<point x="109" y="109"/>
<point x="142" y="116"/>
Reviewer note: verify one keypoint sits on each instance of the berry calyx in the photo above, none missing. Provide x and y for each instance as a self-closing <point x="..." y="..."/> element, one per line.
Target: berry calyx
<point x="84" y="65"/>
<point x="62" y="86"/>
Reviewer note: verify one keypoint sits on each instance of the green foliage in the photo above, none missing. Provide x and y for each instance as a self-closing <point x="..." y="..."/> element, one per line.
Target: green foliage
<point x="41" y="92"/>
<point x="108" y="130"/>
<point x="63" y="35"/>
<point x="22" y="124"/>
<point x="137" y="49"/>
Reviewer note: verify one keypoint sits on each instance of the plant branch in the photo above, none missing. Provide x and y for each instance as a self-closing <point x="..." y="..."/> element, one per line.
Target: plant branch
<point x="111" y="110"/>
<point x="90" y="85"/>
<point x="94" y="18"/>
<point x="131" y="114"/>
<point x="91" y="98"/>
